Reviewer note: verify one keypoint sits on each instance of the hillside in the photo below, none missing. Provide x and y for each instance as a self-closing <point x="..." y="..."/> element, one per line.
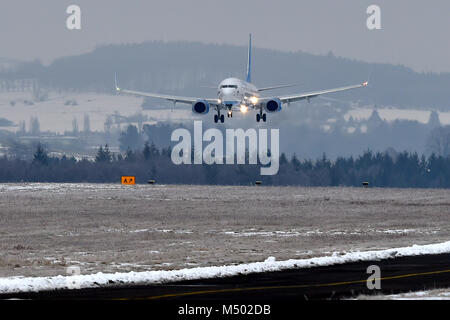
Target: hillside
<point x="183" y="67"/>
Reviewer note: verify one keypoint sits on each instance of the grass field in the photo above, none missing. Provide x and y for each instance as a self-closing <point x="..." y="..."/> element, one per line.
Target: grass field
<point x="44" y="228"/>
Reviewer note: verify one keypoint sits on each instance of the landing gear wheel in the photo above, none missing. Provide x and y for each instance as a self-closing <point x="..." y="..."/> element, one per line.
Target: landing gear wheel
<point x="264" y="117"/>
<point x="216" y="118"/>
<point x="222" y="118"/>
<point x="258" y="117"/>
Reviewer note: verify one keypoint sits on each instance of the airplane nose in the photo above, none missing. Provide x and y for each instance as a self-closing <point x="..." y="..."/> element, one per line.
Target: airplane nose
<point x="227" y="91"/>
<point x="229" y="99"/>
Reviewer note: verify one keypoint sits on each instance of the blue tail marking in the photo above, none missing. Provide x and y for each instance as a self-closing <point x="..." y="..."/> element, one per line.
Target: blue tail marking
<point x="249" y="61"/>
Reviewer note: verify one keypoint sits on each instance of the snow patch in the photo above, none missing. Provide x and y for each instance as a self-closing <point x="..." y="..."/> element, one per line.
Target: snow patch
<point x="436" y="294"/>
<point x="392" y="114"/>
<point x="317" y="232"/>
<point x="35" y="284"/>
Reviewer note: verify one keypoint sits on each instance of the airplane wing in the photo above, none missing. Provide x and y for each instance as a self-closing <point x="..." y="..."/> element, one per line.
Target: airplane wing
<point x="187" y="100"/>
<point x="175" y="99"/>
<point x="277" y="87"/>
<point x="307" y="96"/>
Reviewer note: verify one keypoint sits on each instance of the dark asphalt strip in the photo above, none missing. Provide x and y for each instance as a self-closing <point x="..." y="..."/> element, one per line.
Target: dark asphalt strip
<point x="330" y="282"/>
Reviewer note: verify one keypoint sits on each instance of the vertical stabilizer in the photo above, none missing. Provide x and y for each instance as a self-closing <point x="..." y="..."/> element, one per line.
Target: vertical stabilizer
<point x="249" y="59"/>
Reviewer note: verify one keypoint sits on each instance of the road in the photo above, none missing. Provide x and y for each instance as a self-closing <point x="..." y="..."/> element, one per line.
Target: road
<point x="331" y="282"/>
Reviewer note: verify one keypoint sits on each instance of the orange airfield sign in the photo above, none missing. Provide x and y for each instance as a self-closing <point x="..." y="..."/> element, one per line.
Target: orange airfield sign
<point x="128" y="180"/>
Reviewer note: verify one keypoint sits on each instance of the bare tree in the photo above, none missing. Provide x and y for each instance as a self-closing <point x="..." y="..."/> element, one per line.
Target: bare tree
<point x="75" y="126"/>
<point x="22" y="128"/>
<point x="34" y="126"/>
<point x="86" y="124"/>
<point x="439" y="141"/>
<point x="108" y="124"/>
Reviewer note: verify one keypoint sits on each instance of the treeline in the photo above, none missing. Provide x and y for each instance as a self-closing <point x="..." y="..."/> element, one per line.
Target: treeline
<point x="403" y="170"/>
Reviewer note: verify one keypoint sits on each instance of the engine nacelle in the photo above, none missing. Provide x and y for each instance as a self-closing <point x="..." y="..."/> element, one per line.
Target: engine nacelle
<point x="200" y="106"/>
<point x="273" y="105"/>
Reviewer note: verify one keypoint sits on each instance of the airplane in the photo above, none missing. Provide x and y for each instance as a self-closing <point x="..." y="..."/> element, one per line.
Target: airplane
<point x="238" y="95"/>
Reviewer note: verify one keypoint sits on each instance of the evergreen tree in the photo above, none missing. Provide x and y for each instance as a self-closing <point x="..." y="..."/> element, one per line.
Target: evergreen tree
<point x="40" y="156"/>
<point x="131" y="139"/>
<point x="103" y="155"/>
<point x="295" y="162"/>
<point x="283" y="159"/>
<point x="146" y="152"/>
<point x="129" y="155"/>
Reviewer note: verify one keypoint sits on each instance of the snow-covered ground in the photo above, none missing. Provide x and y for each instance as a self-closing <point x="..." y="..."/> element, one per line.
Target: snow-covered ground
<point x="391" y="114"/>
<point x="34" y="284"/>
<point x="54" y="115"/>
<point x="437" y="294"/>
<point x="108" y="228"/>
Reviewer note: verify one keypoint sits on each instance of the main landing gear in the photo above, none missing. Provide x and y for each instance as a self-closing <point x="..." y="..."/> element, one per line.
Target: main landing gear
<point x="260" y="116"/>
<point x="218" y="117"/>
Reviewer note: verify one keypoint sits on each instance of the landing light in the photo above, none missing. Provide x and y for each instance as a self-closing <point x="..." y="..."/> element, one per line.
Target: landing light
<point x="254" y="100"/>
<point x="244" y="108"/>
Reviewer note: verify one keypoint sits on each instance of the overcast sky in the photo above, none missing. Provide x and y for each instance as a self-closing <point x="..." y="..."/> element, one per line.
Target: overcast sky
<point x="414" y="32"/>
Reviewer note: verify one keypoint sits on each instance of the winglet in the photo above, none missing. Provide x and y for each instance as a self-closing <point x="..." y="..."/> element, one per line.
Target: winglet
<point x="365" y="84"/>
<point x="115" y="82"/>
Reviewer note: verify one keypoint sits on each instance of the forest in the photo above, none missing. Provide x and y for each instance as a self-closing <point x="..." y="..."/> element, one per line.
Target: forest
<point x="380" y="169"/>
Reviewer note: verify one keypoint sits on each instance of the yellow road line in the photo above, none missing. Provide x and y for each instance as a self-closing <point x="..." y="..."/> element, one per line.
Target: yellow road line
<point x="172" y="295"/>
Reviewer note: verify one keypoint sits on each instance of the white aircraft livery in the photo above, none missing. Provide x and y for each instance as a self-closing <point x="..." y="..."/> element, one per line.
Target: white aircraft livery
<point x="237" y="95"/>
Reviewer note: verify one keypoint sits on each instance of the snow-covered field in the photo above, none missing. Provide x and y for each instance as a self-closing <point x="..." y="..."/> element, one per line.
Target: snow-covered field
<point x="108" y="228"/>
<point x="54" y="115"/>
<point x="34" y="284"/>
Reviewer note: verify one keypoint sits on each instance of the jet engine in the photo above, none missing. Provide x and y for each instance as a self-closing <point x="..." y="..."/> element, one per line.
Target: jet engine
<point x="200" y="106"/>
<point x="273" y="105"/>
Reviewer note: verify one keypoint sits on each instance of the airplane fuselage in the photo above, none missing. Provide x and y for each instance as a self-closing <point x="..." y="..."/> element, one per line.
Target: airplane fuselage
<point x="236" y="92"/>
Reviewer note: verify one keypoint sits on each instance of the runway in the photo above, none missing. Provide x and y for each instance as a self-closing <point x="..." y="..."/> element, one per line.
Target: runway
<point x="318" y="283"/>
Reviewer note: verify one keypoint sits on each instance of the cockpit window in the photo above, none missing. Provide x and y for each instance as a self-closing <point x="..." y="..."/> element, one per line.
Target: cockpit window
<point x="229" y="86"/>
